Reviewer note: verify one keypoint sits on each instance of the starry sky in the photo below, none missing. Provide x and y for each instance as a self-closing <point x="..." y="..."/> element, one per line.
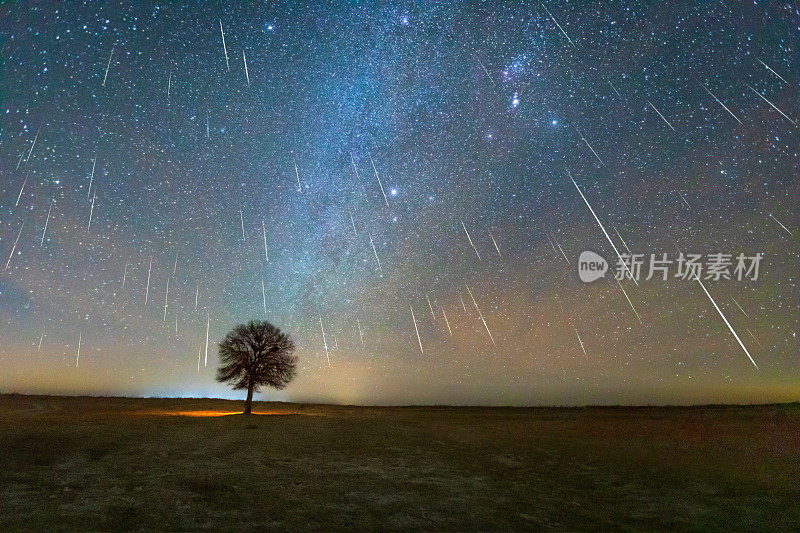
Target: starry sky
<point x="372" y="143"/>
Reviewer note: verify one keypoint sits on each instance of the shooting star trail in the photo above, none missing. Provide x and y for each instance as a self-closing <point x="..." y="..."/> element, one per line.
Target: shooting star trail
<point x="720" y="103"/>
<point x="684" y="199"/>
<point x="166" y="301"/>
<point x="208" y="325"/>
<point x="376" y="253"/>
<point x="629" y="300"/>
<point x="480" y="315"/>
<point x="561" y="250"/>
<point x="91" y="177"/>
<point x="124" y="275"/>
<point x="486" y="71"/>
<point x="175" y="266"/>
<point x="246" y="73"/>
<point x="739" y="306"/>
<point x="196" y="295"/>
<point x="784" y="227"/>
<point x="462" y="303"/>
<point x="15" y="245"/>
<point x="46" y="221"/>
<point x="208" y="130"/>
<point x="33" y="144"/>
<point x="39" y="349"/>
<point x="587" y="144"/>
<point x="147" y="289"/>
<point x="169" y="83"/>
<point x="264" y="232"/>
<point x="199" y="353"/>
<point x="379" y="180"/>
<point x="615" y="89"/>
<point x="91" y="212"/>
<point x="352" y="222"/>
<point x="557" y="24"/>
<point x="324" y="341"/>
<point x="108" y="66"/>
<point x="470" y="240"/>
<point x="22" y="188"/>
<point x="604" y="230"/>
<point x="495" y="245"/>
<point x="433" y="316"/>
<point x="78" y="355"/>
<point x="413" y="318"/>
<point x="773" y="105"/>
<point x="769" y="69"/>
<point x="660" y="115"/>
<point x="360" y="333"/>
<point x="224" y="48"/>
<point x="621" y="239"/>
<point x="297" y="173"/>
<point x="754" y="337"/>
<point x="723" y="318"/>
<point x="241" y="218"/>
<point x="264" y="297"/>
<point x="446" y="321"/>
<point x="580" y="341"/>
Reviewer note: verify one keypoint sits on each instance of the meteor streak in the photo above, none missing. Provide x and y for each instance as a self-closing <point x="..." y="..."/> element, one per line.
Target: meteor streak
<point x="166" y="301"/>
<point x="324" y="341"/>
<point x="431" y="307"/>
<point x="360" y="333"/>
<point x="557" y="24"/>
<point x="720" y="103"/>
<point x="495" y="245"/>
<point x="46" y="221"/>
<point x="224" y="49"/>
<point x="264" y="232"/>
<point x="660" y="115"/>
<point x="297" y="173"/>
<point x="447" y="321"/>
<point x="604" y="229"/>
<point x="769" y="69"/>
<point x="108" y="66"/>
<point x="587" y="144"/>
<point x="784" y="227"/>
<point x="246" y="73"/>
<point x="470" y="240"/>
<point x="208" y="324"/>
<point x="78" y="355"/>
<point x="773" y="105"/>
<point x="91" y="212"/>
<point x="376" y="253"/>
<point x="91" y="177"/>
<point x="33" y="144"/>
<point x="15" y="245"/>
<point x="379" y="180"/>
<point x="480" y="315"/>
<point x="147" y="290"/>
<point x="580" y="341"/>
<point x="22" y="188"/>
<point x="413" y="318"/>
<point x="739" y="306"/>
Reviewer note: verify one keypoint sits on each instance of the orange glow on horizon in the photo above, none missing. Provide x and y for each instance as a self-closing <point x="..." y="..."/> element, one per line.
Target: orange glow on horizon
<point x="211" y="413"/>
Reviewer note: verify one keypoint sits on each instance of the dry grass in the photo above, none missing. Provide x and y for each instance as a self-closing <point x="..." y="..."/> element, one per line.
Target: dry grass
<point x="125" y="464"/>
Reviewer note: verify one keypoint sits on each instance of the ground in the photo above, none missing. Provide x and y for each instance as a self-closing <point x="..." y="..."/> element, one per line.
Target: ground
<point x="124" y="464"/>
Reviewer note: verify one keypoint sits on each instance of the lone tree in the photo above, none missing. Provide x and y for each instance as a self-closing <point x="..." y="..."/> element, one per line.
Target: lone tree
<point x="256" y="354"/>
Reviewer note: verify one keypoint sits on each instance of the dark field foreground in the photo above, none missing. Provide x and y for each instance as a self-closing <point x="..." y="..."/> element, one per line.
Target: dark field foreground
<point x="109" y="463"/>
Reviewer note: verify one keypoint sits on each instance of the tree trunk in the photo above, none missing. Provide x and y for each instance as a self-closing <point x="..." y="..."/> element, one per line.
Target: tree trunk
<point x="248" y="404"/>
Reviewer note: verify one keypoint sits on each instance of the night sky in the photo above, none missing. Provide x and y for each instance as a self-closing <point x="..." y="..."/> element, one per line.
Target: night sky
<point x="474" y="118"/>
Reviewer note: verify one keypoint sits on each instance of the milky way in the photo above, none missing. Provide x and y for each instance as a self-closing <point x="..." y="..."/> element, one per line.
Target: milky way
<point x="344" y="167"/>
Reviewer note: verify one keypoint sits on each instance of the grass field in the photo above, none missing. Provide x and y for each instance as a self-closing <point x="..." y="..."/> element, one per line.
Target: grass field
<point x="112" y="463"/>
